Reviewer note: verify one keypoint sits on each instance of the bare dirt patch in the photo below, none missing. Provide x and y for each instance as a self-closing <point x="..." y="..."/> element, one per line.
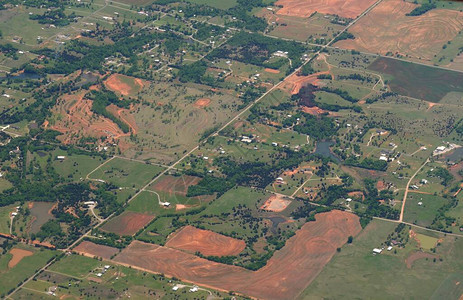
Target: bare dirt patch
<point x="294" y="83"/>
<point x="203" y="102"/>
<point x="18" y="255"/>
<point x="128" y="223"/>
<point x="273" y="71"/>
<point x="76" y="120"/>
<point x="386" y="28"/>
<point x="305" y="8"/>
<point x="276" y="203"/>
<point x="416" y="256"/>
<point x="91" y="249"/>
<point x="207" y="242"/>
<point x="286" y="274"/>
<point x="124" y="85"/>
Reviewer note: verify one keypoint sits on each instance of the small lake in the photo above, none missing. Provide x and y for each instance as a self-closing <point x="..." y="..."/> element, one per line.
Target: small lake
<point x="323" y="149"/>
<point x="455" y="155"/>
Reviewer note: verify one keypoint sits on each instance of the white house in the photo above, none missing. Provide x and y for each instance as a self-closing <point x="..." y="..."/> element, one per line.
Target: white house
<point x="377" y="251"/>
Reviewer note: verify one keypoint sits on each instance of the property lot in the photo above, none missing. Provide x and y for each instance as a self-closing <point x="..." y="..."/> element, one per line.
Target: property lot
<point x="387" y="29"/>
<point x="286" y="274"/>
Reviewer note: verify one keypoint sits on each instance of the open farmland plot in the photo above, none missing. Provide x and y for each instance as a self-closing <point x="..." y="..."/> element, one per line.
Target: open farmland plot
<point x="386" y="29"/>
<point x="206" y="242"/>
<point x="316" y="28"/>
<point x="286" y="274"/>
<point x="126" y="173"/>
<point x="418" y="81"/>
<point x="356" y="271"/>
<point x="91" y="249"/>
<point x="170" y="121"/>
<point x="20" y="263"/>
<point x="305" y="8"/>
<point x="173" y="189"/>
<point x="422" y="214"/>
<point x="127" y="223"/>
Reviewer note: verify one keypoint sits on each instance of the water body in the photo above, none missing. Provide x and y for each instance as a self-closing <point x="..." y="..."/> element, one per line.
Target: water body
<point x="323" y="149"/>
<point x="455" y="155"/>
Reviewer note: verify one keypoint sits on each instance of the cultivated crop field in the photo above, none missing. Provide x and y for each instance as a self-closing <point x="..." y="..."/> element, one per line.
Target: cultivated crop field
<point x="294" y="262"/>
<point x="386" y="29"/>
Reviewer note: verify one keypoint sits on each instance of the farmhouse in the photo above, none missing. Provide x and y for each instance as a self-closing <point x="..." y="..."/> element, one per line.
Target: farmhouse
<point x="61" y="157"/>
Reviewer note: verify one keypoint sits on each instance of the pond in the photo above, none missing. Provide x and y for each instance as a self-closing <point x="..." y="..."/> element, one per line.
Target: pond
<point x="323" y="149"/>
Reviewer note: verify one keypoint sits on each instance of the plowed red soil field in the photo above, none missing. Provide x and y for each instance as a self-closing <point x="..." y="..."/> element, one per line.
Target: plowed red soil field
<point x="128" y="223"/>
<point x="305" y="8"/>
<point x="207" y="242"/>
<point x="91" y="249"/>
<point x="386" y="28"/>
<point x="286" y="274"/>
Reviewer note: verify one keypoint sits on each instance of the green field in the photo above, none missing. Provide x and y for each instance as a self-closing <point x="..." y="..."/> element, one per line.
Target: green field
<point x="75" y="266"/>
<point x="116" y="282"/>
<point x="126" y="173"/>
<point x="9" y="278"/>
<point x="76" y="166"/>
<point x="424" y="214"/>
<point x="418" y="81"/>
<point x="222" y="4"/>
<point x="354" y="273"/>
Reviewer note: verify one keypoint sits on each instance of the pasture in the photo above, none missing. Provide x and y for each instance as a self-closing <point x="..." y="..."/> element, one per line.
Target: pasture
<point x="75" y="275"/>
<point x="126" y="173"/>
<point x="24" y="266"/>
<point x="425" y="213"/>
<point x="351" y="270"/>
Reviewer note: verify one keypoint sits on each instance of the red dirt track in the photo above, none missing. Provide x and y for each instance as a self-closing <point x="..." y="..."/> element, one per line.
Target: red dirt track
<point x="286" y="274"/>
<point x="128" y="223"/>
<point x="305" y="8"/>
<point x="207" y="242"/>
<point x="90" y="249"/>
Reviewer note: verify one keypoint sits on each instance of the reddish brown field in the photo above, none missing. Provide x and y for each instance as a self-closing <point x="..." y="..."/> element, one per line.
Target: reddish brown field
<point x="207" y="242"/>
<point x="18" y="255"/>
<point x="305" y="8"/>
<point x="273" y="71"/>
<point x="178" y="185"/>
<point x="77" y="120"/>
<point x="203" y="102"/>
<point x="128" y="223"/>
<point x="120" y="84"/>
<point x="276" y="203"/>
<point x="90" y="249"/>
<point x="386" y="28"/>
<point x="286" y="274"/>
<point x="175" y="184"/>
